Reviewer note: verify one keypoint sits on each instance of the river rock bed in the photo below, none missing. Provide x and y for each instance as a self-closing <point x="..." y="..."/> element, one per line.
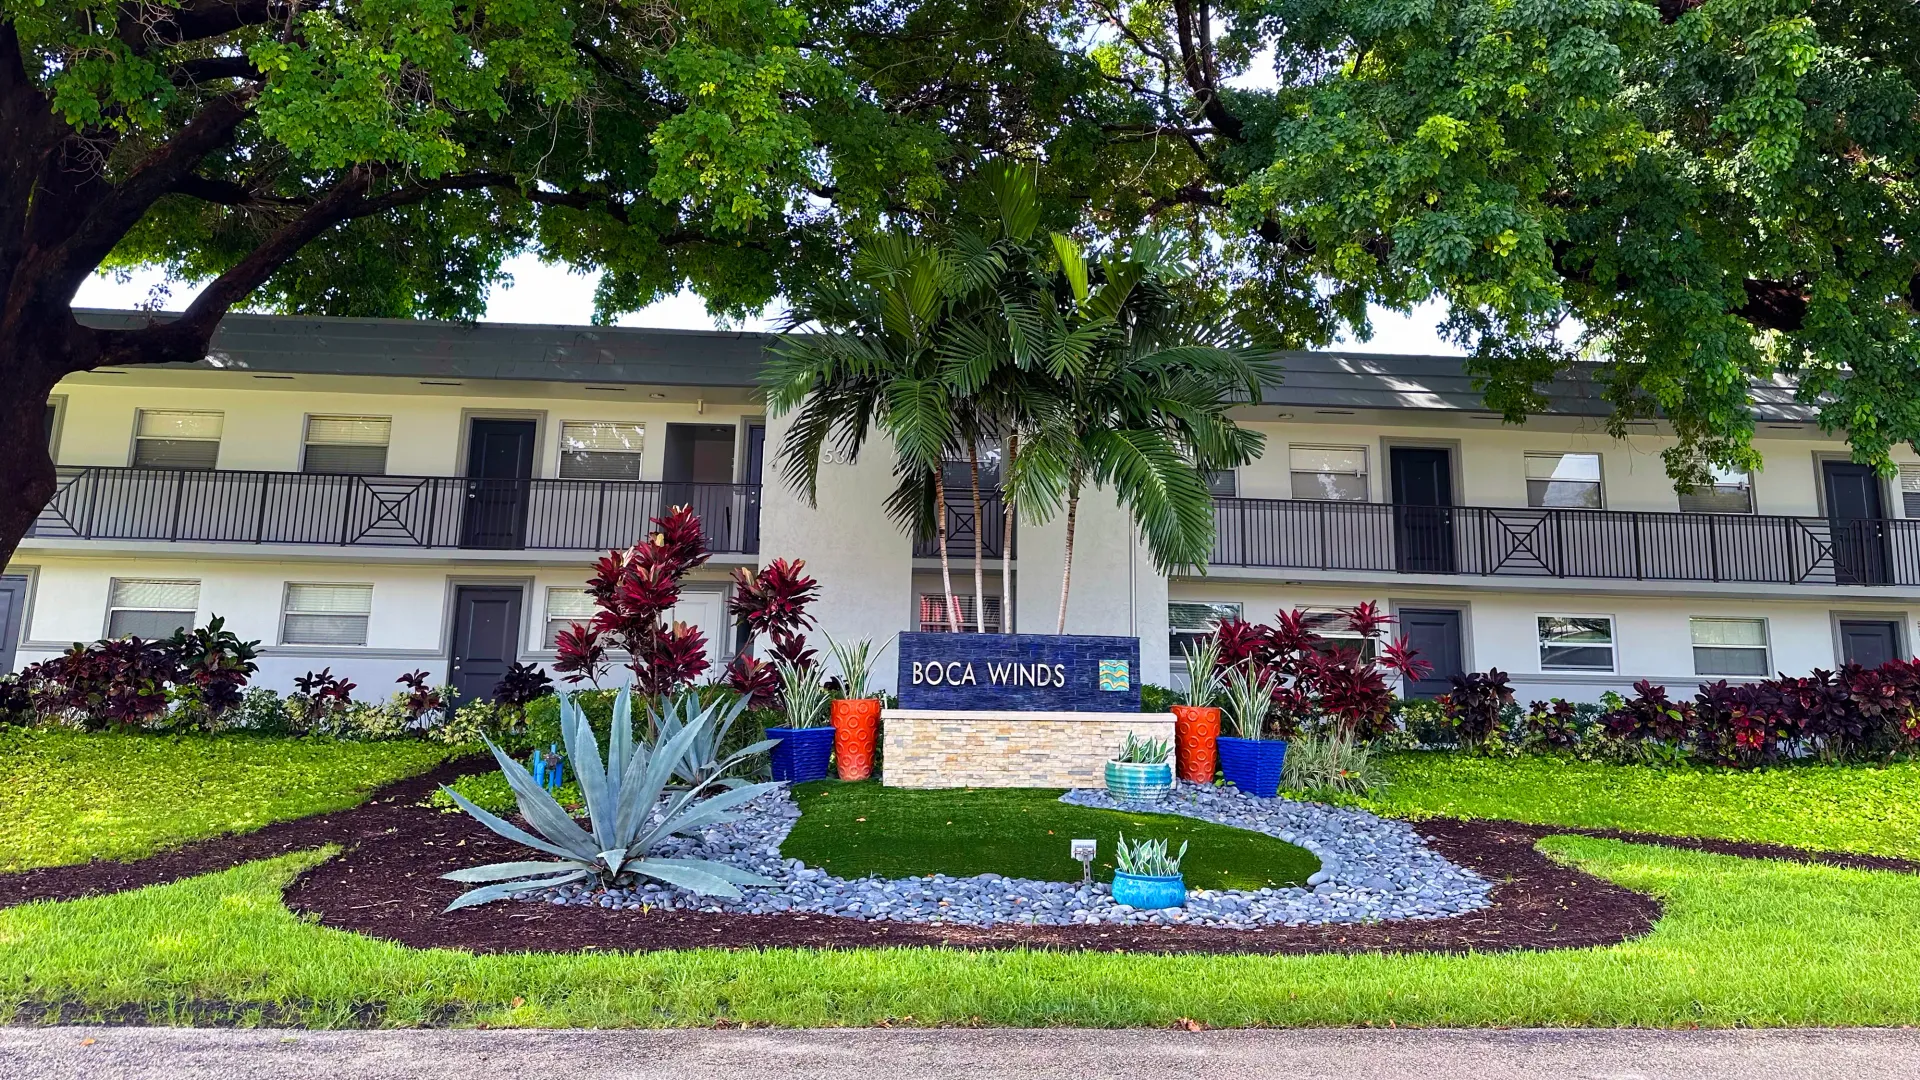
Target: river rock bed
<point x="1372" y="869"/>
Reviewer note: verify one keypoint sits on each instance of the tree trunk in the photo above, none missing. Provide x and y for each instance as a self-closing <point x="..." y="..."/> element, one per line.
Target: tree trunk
<point x="940" y="535"/>
<point x="1066" y="568"/>
<point x="979" y="535"/>
<point x="33" y="358"/>
<point x="1006" y="537"/>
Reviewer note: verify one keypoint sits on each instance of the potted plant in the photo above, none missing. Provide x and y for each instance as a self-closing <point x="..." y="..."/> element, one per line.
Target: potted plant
<point x="1145" y="876"/>
<point x="856" y="714"/>
<point x="804" y="743"/>
<point x="1196" y="723"/>
<point x="1141" y="773"/>
<point x="1250" y="761"/>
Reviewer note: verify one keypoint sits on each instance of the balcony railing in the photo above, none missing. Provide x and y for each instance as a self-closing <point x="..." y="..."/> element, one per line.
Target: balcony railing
<point x="1554" y="543"/>
<point x="386" y="511"/>
<point x="963" y="531"/>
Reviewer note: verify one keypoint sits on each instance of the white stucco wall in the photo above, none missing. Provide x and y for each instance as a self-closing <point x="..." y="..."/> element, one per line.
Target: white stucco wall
<point x="863" y="562"/>
<point x="1115" y="588"/>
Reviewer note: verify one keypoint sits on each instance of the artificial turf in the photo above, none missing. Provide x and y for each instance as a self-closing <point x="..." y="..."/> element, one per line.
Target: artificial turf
<point x="856" y="830"/>
<point x="68" y="796"/>
<point x="1854" y="808"/>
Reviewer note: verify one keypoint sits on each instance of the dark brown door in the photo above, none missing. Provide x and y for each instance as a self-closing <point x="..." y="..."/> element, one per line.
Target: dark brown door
<point x="499" y="482"/>
<point x="1422" y="509"/>
<point x="1434" y="633"/>
<point x="1858" y="522"/>
<point x="486" y="638"/>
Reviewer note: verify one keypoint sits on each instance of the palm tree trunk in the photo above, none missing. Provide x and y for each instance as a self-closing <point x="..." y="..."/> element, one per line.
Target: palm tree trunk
<point x="1006" y="537"/>
<point x="1066" y="569"/>
<point x="940" y="534"/>
<point x="979" y="534"/>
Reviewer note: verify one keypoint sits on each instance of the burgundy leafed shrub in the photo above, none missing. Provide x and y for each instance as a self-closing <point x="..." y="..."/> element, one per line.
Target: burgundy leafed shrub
<point x="120" y="682"/>
<point x="1475" y="704"/>
<point x="773" y="602"/>
<point x="1651" y="715"/>
<point x="522" y="685"/>
<point x="215" y="663"/>
<point x="1322" y="680"/>
<point x="634" y="590"/>
<point x="422" y="703"/>
<point x="1742" y="725"/>
<point x="1553" y="725"/>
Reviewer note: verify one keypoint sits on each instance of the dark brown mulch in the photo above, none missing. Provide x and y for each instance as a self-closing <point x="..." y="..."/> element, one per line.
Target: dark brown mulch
<point x="386" y="884"/>
<point x="1844" y="859"/>
<point x="388" y="809"/>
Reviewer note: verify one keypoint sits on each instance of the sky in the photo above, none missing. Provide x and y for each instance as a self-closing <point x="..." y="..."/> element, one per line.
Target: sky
<point x="553" y="293"/>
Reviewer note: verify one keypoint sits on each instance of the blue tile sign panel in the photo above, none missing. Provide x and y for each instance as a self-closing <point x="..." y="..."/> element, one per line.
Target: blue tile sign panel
<point x="1020" y="672"/>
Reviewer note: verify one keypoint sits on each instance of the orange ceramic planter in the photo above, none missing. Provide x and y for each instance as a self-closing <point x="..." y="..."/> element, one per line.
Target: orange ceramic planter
<point x="1194" y="732"/>
<point x="856" y="724"/>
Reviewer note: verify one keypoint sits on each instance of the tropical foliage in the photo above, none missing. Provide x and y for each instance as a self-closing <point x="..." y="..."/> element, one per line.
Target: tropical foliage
<point x="629" y="812"/>
<point x="636" y="590"/>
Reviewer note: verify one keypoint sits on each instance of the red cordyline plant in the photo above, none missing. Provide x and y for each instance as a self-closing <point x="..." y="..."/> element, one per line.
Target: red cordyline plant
<point x="1321" y="678"/>
<point x="634" y="590"/>
<point x="772" y="601"/>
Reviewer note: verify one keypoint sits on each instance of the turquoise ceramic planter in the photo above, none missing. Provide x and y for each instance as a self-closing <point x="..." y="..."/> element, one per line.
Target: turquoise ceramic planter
<point x="1139" y="781"/>
<point x="1144" y="891"/>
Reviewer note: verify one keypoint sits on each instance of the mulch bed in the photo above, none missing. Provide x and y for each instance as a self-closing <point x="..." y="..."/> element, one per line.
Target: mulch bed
<point x="386" y="885"/>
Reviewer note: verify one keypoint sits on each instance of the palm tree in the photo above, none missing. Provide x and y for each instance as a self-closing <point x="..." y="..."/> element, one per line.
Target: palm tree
<point x="1137" y="397"/>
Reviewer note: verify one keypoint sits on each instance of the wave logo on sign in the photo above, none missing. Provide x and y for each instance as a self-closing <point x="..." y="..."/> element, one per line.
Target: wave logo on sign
<point x="1116" y="675"/>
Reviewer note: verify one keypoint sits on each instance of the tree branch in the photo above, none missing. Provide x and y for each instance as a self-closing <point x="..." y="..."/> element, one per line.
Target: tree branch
<point x="147" y="26"/>
<point x="211" y="68"/>
<point x="1195" y="61"/>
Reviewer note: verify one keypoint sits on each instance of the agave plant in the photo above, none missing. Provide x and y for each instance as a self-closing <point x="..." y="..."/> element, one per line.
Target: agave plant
<point x="625" y="813"/>
<point x="706" y="762"/>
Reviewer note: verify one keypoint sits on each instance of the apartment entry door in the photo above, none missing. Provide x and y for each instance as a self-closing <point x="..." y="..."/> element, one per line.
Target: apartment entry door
<point x="1422" y="485"/>
<point x="486" y="638"/>
<point x="1869" y="642"/>
<point x="499" y="483"/>
<point x="1858" y="523"/>
<point x="13" y="608"/>
<point x="1436" y="634"/>
<point x="698" y="470"/>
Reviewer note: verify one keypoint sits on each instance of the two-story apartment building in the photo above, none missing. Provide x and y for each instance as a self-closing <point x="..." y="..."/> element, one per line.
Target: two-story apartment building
<point x="375" y="496"/>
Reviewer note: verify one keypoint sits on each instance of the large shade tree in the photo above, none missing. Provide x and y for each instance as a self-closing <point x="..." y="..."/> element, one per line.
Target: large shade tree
<point x="1696" y="193"/>
<point x="383" y="157"/>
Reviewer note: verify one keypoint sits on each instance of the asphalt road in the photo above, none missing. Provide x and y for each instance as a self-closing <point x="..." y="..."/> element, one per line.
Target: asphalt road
<point x="72" y="1053"/>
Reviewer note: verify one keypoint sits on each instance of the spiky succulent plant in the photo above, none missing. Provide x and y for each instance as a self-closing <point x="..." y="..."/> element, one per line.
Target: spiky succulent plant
<point x="626" y="814"/>
<point x="707" y="761"/>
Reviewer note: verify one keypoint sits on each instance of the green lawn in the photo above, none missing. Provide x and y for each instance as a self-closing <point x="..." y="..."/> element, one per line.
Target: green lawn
<point x="859" y="829"/>
<point x="1835" y="808"/>
<point x="1743" y="943"/>
<point x="67" y="797"/>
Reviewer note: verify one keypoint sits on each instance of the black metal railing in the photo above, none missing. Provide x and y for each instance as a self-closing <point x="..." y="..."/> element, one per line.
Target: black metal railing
<point x="963" y="531"/>
<point x="1530" y="542"/>
<point x="386" y="511"/>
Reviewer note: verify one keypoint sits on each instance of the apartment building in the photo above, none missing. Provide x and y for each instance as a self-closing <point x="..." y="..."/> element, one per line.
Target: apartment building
<point x="375" y="496"/>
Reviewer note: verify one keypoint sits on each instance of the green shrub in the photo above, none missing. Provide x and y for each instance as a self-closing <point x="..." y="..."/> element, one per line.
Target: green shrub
<point x="1330" y="764"/>
<point x="1157" y="698"/>
<point x="1425" y="722"/>
<point x="492" y="793"/>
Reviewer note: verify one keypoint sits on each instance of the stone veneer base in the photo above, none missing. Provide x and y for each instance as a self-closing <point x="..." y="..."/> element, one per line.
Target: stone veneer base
<point x="928" y="748"/>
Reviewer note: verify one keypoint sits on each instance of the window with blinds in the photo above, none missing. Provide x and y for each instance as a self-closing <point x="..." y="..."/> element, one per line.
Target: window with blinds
<point x="1336" y="473"/>
<point x="1191" y="622"/>
<point x="347" y="445"/>
<point x="1223" y="483"/>
<point x="320" y="614"/>
<point x="565" y="607"/>
<point x="933" y="614"/>
<point x="1910" y="490"/>
<point x="600" y="450"/>
<point x="1564" y="480"/>
<point x="165" y="439"/>
<point x="1730" y="493"/>
<point x="1729" y="646"/>
<point x="150" y="609"/>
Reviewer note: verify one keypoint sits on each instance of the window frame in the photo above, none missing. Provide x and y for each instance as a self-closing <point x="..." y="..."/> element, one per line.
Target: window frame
<point x="1182" y="636"/>
<point x="366" y="617"/>
<point x="1364" y="474"/>
<point x="1599" y="482"/>
<point x="1612" y="646"/>
<point x="1907" y="484"/>
<point x="561" y="452"/>
<point x="1753" y="501"/>
<point x="307" y="443"/>
<point x="133" y="451"/>
<point x="1765" y="648"/>
<point x="937" y="601"/>
<point x="550" y="634"/>
<point x="113" y="587"/>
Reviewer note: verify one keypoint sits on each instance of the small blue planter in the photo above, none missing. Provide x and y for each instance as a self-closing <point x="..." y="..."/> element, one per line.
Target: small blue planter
<point x="801" y="754"/>
<point x="1143" y="891"/>
<point x="1253" y="765"/>
<point x="1139" y="781"/>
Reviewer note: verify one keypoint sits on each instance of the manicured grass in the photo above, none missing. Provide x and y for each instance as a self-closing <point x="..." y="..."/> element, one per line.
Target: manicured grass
<point x="859" y="829"/>
<point x="1743" y="942"/>
<point x="1872" y="810"/>
<point x="66" y="797"/>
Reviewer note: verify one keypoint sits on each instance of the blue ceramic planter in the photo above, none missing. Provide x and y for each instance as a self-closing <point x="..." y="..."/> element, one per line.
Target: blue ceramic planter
<point x="801" y="754"/>
<point x="1253" y="765"/>
<point x="1142" y="891"/>
<point x="1139" y="781"/>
